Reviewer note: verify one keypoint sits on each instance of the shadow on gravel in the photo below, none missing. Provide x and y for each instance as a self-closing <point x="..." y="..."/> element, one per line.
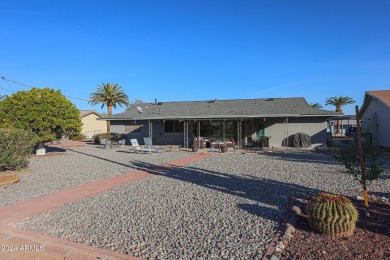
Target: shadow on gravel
<point x="51" y="149"/>
<point x="302" y="156"/>
<point x="101" y="158"/>
<point x="270" y="192"/>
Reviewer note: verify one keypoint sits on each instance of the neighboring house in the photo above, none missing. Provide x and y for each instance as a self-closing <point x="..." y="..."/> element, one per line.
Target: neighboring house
<point x="375" y="116"/>
<point x="240" y="120"/>
<point x="91" y="125"/>
<point x="345" y="122"/>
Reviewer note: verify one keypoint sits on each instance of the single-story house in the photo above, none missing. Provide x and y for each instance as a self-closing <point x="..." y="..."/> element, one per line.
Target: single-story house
<point x="375" y="116"/>
<point x="241" y="121"/>
<point x="91" y="125"/>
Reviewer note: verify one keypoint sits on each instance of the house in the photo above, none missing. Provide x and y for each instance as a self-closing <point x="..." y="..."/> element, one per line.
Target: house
<point x="241" y="121"/>
<point x="346" y="121"/>
<point x="375" y="116"/>
<point x="91" y="125"/>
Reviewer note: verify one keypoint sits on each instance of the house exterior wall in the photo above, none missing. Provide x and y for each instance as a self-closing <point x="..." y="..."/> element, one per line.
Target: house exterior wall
<point x="278" y="131"/>
<point x="158" y="134"/>
<point x="281" y="134"/>
<point x="92" y="126"/>
<point x="376" y="120"/>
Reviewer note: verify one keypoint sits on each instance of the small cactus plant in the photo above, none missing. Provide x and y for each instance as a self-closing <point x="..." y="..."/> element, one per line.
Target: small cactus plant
<point x="332" y="215"/>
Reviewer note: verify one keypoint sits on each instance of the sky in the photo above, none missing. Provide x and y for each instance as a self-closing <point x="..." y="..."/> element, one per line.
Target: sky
<point x="188" y="50"/>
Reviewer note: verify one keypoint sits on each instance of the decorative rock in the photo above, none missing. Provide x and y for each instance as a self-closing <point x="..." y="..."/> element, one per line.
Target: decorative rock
<point x="296" y="210"/>
<point x="6" y="180"/>
<point x="223" y="202"/>
<point x="40" y="151"/>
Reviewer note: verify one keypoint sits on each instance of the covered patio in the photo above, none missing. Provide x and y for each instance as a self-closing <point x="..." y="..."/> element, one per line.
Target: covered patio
<point x="234" y="123"/>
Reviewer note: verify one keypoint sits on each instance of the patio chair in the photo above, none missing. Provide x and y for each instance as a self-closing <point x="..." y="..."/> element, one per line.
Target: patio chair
<point x="138" y="148"/>
<point x="154" y="148"/>
<point x="106" y="143"/>
<point x="121" y="142"/>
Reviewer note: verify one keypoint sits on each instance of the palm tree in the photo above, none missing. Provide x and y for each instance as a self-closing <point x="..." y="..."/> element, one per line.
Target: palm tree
<point x="110" y="95"/>
<point x="315" y="105"/>
<point x="338" y="102"/>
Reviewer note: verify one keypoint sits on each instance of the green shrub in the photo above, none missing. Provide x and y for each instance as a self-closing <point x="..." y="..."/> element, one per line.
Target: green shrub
<point x="79" y="137"/>
<point x="97" y="137"/>
<point x="117" y="137"/>
<point x="16" y="147"/>
<point x="332" y="215"/>
<point x="110" y="136"/>
<point x="349" y="157"/>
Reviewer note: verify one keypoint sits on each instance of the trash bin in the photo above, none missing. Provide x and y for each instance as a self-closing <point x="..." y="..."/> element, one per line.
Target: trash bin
<point x="194" y="148"/>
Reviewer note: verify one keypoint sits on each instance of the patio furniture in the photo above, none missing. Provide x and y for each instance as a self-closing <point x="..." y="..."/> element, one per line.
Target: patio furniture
<point x="200" y="143"/>
<point x="138" y="148"/>
<point x="149" y="144"/>
<point x="223" y="148"/>
<point x="106" y="143"/>
<point x="121" y="142"/>
<point x="216" y="144"/>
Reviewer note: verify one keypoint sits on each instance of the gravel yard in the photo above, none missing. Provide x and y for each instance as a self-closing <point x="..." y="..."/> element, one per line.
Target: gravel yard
<point x="70" y="167"/>
<point x="225" y="206"/>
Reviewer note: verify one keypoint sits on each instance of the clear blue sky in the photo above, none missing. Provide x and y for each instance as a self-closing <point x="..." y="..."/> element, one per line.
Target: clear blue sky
<point x="198" y="50"/>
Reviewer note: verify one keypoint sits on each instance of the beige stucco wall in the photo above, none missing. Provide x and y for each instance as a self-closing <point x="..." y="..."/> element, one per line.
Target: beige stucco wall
<point x="92" y="126"/>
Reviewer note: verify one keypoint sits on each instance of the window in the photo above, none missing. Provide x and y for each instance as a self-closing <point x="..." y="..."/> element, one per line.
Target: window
<point x="173" y="126"/>
<point x="132" y="127"/>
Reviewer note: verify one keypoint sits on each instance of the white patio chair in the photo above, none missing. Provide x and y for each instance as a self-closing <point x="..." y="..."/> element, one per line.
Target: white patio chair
<point x="138" y="148"/>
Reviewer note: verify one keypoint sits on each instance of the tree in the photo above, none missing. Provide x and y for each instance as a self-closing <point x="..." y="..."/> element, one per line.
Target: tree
<point x="315" y="105"/>
<point x="339" y="102"/>
<point x="109" y="95"/>
<point x="45" y="112"/>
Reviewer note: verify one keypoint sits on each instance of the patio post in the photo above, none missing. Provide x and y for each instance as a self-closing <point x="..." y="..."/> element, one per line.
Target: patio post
<point x="198" y="134"/>
<point x="150" y="130"/>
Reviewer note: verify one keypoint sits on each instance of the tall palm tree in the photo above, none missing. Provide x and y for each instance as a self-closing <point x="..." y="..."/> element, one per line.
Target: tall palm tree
<point x="339" y="102"/>
<point x="315" y="105"/>
<point x="110" y="95"/>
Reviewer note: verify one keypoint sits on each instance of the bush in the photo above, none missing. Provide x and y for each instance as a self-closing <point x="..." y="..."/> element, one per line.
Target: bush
<point x="110" y="136"/>
<point x="349" y="157"/>
<point x="117" y="137"/>
<point x="79" y="137"/>
<point x="16" y="147"/>
<point x="97" y="137"/>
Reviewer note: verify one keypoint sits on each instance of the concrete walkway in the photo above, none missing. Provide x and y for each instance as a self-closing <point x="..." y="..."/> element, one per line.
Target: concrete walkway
<point x="21" y="244"/>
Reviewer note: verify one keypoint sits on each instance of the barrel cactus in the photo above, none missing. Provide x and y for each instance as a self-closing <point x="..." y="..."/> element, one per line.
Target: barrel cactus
<point x="332" y="215"/>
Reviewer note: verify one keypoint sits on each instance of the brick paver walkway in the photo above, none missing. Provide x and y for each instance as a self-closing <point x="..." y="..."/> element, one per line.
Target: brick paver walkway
<point x="21" y="244"/>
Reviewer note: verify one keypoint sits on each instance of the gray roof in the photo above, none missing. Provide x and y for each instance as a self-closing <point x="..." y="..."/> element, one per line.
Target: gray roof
<point x="224" y="109"/>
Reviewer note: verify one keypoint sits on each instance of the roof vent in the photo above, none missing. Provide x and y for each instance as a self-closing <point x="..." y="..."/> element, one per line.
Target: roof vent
<point x="269" y="99"/>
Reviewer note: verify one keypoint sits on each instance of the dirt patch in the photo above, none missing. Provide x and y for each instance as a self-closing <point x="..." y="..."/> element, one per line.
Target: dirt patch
<point x="8" y="180"/>
<point x="371" y="239"/>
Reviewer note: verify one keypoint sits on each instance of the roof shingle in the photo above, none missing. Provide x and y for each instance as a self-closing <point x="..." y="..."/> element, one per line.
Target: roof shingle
<point x="237" y="108"/>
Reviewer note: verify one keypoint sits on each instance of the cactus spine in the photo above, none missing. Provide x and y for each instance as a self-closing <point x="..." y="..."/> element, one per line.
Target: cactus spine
<point x="332" y="215"/>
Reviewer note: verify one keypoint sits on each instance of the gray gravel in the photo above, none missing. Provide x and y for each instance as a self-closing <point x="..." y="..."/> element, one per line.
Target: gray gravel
<point x="225" y="206"/>
<point x="76" y="166"/>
